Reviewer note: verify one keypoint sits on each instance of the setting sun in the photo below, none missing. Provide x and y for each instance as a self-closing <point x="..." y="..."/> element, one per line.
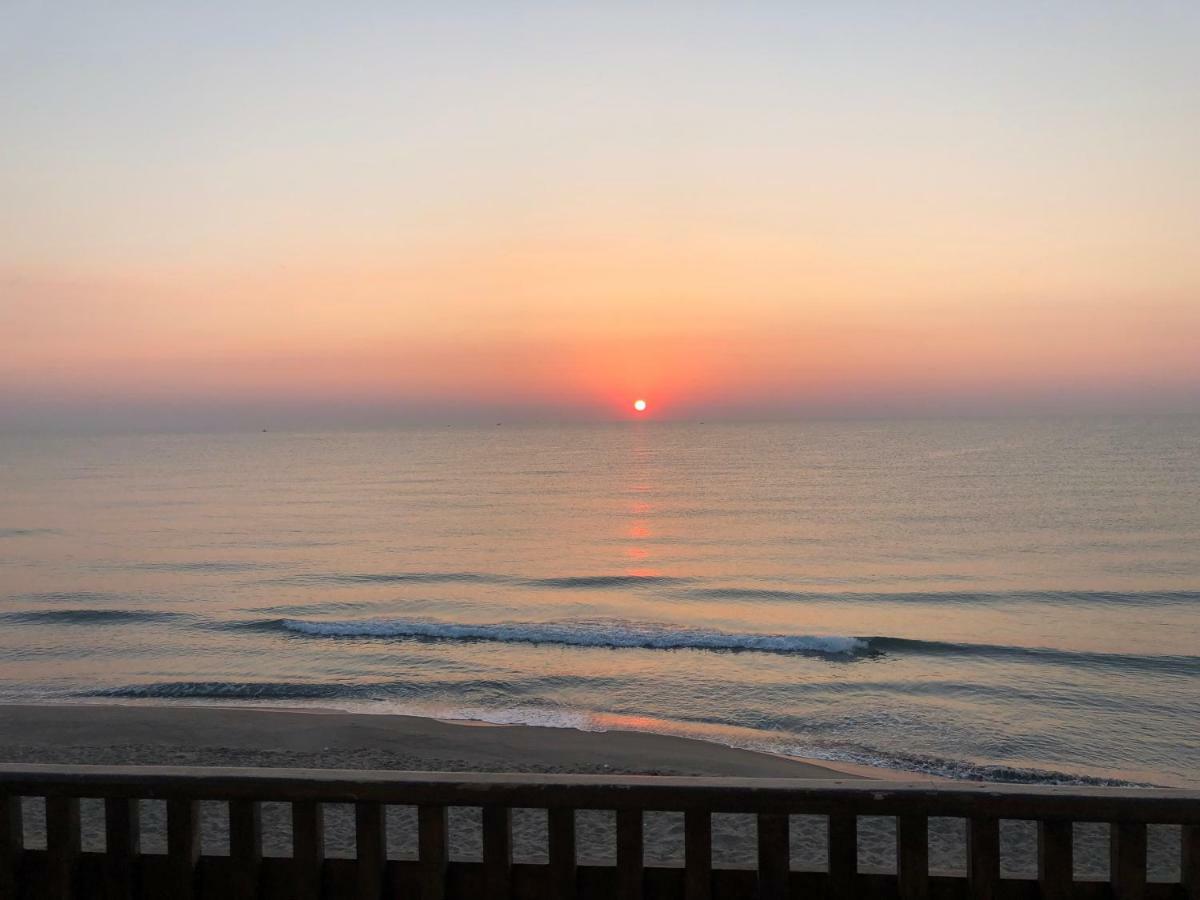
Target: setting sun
<point x="639" y="405"/>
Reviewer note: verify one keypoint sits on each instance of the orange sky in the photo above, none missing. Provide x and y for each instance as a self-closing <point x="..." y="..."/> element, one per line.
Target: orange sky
<point x="544" y="213"/>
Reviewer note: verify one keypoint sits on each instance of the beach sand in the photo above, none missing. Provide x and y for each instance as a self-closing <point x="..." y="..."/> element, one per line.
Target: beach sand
<point x="312" y="738"/>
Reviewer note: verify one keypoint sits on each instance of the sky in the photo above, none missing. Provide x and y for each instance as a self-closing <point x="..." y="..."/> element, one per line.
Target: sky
<point x="228" y="214"/>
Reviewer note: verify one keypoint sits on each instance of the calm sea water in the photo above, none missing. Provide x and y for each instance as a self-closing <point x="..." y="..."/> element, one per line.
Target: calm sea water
<point x="1004" y="599"/>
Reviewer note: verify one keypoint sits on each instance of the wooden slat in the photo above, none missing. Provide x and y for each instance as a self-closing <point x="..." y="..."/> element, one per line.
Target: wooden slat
<point x="370" y="838"/>
<point x="697" y="855"/>
<point x="1056" y="855"/>
<point x="308" y="849"/>
<point x="707" y="794"/>
<point x="560" y="823"/>
<point x="497" y="851"/>
<point x="433" y="850"/>
<point x="983" y="857"/>
<point x="183" y="847"/>
<point x="843" y="856"/>
<point x="122" y="847"/>
<point x="630" y="854"/>
<point x="62" y="846"/>
<point x="1127" y="869"/>
<point x="774" y="856"/>
<point x="12" y="843"/>
<point x="912" y="856"/>
<point x="1189" y="861"/>
<point x="245" y="847"/>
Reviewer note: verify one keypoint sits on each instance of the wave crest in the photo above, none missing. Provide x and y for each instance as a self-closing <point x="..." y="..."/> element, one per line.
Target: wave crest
<point x="612" y="635"/>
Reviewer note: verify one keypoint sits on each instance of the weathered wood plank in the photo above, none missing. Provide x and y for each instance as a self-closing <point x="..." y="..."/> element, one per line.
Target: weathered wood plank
<point x="1189" y="861"/>
<point x="697" y="854"/>
<point x="62" y="846"/>
<point x="183" y="847"/>
<point x="531" y="880"/>
<point x="497" y="851"/>
<point x="1056" y="859"/>
<point x="912" y="856"/>
<point x="122" y="846"/>
<point x="560" y="825"/>
<point x="370" y="838"/>
<point x="983" y="857"/>
<point x="630" y="854"/>
<point x="433" y="850"/>
<point x="12" y="843"/>
<point x="739" y="795"/>
<point x="774" y="856"/>
<point x="308" y="849"/>
<point x="1127" y="867"/>
<point x="245" y="847"/>
<point x="843" y="856"/>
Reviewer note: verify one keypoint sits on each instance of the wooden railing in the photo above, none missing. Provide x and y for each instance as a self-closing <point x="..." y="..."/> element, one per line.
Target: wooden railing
<point x="63" y="870"/>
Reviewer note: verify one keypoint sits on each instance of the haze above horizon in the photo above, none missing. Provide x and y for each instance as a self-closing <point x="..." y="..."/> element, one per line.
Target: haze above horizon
<point x="220" y="215"/>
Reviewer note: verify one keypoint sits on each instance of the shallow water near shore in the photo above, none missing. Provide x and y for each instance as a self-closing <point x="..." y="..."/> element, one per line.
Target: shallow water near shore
<point x="1011" y="600"/>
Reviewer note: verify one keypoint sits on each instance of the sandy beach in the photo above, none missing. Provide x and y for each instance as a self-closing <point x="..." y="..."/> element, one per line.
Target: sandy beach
<point x="209" y="735"/>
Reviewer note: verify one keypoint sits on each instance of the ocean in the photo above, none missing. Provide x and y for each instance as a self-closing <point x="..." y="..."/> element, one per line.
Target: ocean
<point x="1015" y="600"/>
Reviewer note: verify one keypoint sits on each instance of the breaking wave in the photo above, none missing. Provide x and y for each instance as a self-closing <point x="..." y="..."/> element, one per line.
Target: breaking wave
<point x="581" y="634"/>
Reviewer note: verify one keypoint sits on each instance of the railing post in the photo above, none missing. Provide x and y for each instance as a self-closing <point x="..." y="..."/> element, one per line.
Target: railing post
<point x="697" y="854"/>
<point x="983" y="857"/>
<point x="630" y="854"/>
<point x="497" y="851"/>
<point x="1189" y="861"/>
<point x="370" y="835"/>
<point x="1127" y="867"/>
<point x="62" y="846"/>
<point x="183" y="847"/>
<point x="843" y="855"/>
<point x="12" y="843"/>
<point x="245" y="847"/>
<point x="122" y="847"/>
<point x="308" y="849"/>
<point x="433" y="851"/>
<point x="912" y="856"/>
<point x="560" y="823"/>
<point x="774" y="856"/>
<point x="1056" y="859"/>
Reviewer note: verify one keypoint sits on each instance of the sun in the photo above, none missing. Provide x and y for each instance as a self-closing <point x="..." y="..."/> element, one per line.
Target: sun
<point x="639" y="405"/>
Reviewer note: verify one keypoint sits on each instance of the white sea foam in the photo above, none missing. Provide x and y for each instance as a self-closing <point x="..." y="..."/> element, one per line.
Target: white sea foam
<point x="583" y="634"/>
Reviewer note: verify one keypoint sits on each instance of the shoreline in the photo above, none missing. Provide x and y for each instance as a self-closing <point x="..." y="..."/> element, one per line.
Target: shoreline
<point x="322" y="737"/>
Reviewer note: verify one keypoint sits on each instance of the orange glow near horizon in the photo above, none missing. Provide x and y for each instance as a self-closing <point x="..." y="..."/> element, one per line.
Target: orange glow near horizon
<point x="718" y="222"/>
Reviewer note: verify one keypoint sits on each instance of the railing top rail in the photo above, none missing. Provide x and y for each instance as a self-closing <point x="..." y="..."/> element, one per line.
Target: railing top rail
<point x="748" y="795"/>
